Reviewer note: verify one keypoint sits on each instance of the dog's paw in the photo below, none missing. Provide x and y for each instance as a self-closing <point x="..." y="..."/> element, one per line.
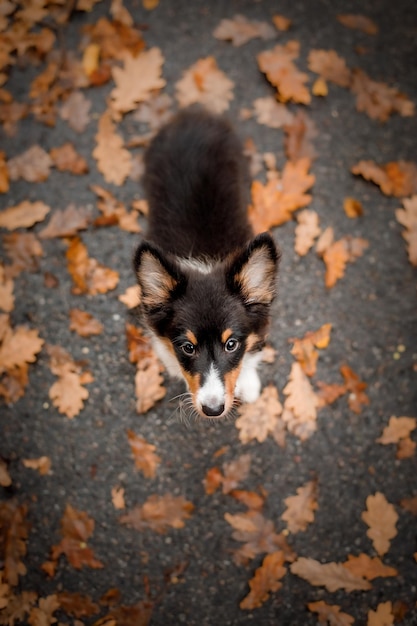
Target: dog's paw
<point x="248" y="387"/>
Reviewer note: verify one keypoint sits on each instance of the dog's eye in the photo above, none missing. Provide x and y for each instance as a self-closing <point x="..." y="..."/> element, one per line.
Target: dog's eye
<point x="231" y="345"/>
<point x="188" y="348"/>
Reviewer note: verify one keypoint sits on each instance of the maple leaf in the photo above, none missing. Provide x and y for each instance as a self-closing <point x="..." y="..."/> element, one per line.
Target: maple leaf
<point x="377" y="99"/>
<point x="23" y="215"/>
<point x="333" y="576"/>
<point x="42" y="615"/>
<point x="259" y="419"/>
<point x="281" y="72"/>
<point x="33" y="165"/>
<point x="330" y="614"/>
<point x="75" y="110"/>
<point x="159" y="513"/>
<point x="66" y="223"/>
<point x="113" y="160"/>
<point x="369" y="568"/>
<point x="396" y="178"/>
<point x="66" y="158"/>
<point x="84" y="323"/>
<point x="330" y="66"/>
<point x="137" y="79"/>
<point x="302" y="403"/>
<point x="144" y="454"/>
<point x="407" y="217"/>
<point x="299" y="133"/>
<point x="19" y="346"/>
<point x="272" y="113"/>
<point x="381" y="517"/>
<point x="239" y="30"/>
<point x="274" y="203"/>
<point x="42" y="464"/>
<point x="15" y="531"/>
<point x="398" y="428"/>
<point x="300" y="508"/>
<point x="383" y="616"/>
<point x="266" y="579"/>
<point x="303" y="349"/>
<point x="88" y="274"/>
<point x="357" y="396"/>
<point x="206" y="84"/>
<point x="359" y="22"/>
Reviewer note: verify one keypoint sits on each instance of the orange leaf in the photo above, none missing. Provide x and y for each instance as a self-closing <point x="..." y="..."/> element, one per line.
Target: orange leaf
<point x="330" y="614"/>
<point x="239" y="30"/>
<point x="330" y="66"/>
<point x="304" y="351"/>
<point x="383" y="616"/>
<point x="258" y="419"/>
<point x="42" y="464"/>
<point x="281" y="23"/>
<point x="353" y="208"/>
<point x="84" y="323"/>
<point x="76" y="528"/>
<point x="113" y="160"/>
<point x="300" y="508"/>
<point x="23" y="215"/>
<point x="76" y="111"/>
<point x="159" y="513"/>
<point x="266" y="579"/>
<point x="272" y="113"/>
<point x="66" y="223"/>
<point x="398" y="428"/>
<point x="408" y="218"/>
<point x="281" y="72"/>
<point x="357" y="396"/>
<point x="359" y="22"/>
<point x="212" y="480"/>
<point x="299" y="133"/>
<point x="15" y="530"/>
<point x="205" y="83"/>
<point x="381" y="517"/>
<point x="333" y="576"/>
<point x="19" y="346"/>
<point x="33" y="165"/>
<point x="303" y="403"/>
<point x="144" y="454"/>
<point x="396" y="178"/>
<point x="89" y="275"/>
<point x="368" y="568"/>
<point x="66" y="158"/>
<point x="377" y="99"/>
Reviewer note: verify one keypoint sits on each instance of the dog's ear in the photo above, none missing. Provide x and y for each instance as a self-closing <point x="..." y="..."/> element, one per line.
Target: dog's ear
<point x="253" y="272"/>
<point x="157" y="276"/>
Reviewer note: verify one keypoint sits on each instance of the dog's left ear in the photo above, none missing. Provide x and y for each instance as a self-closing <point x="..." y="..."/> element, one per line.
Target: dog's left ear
<point x="253" y="272"/>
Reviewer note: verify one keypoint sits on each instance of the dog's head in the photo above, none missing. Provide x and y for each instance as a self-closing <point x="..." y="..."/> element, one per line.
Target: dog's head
<point x="208" y="316"/>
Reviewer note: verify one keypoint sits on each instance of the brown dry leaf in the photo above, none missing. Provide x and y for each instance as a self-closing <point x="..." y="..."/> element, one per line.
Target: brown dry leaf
<point x="329" y="614"/>
<point x="212" y="480"/>
<point x="381" y="517"/>
<point x="84" y="323"/>
<point x="5" y="481"/>
<point x="330" y="66"/>
<point x="303" y="349"/>
<point x="239" y="30"/>
<point x="139" y="345"/>
<point x="113" y="160"/>
<point x="148" y="385"/>
<point x="15" y="534"/>
<point x="115" y="38"/>
<point x="377" y="99"/>
<point x="274" y="203"/>
<point x="75" y="110"/>
<point x="258" y="419"/>
<point x="335" y="257"/>
<point x="77" y="605"/>
<point x="396" y="178"/>
<point x="6" y="291"/>
<point x="23" y="249"/>
<point x="88" y="274"/>
<point x="76" y="528"/>
<point x="66" y="158"/>
<point x="300" y="508"/>
<point x="266" y="579"/>
<point x="406" y="448"/>
<point x="131" y="297"/>
<point x="118" y="498"/>
<point x="302" y="402"/>
<point x="407" y="217"/>
<point x="114" y="212"/>
<point x="23" y="215"/>
<point x="235" y="471"/>
<point x="257" y="535"/>
<point x="91" y="58"/>
<point x="359" y="22"/>
<point x="13" y="383"/>
<point x="4" y="590"/>
<point x="357" y="396"/>
<point x="272" y="113"/>
<point x="159" y="513"/>
<point x="281" y="72"/>
<point x="144" y="454"/>
<point x="137" y="79"/>
<point x="369" y="568"/>
<point x="33" y="165"/>
<point x="398" y="428"/>
<point x="320" y="88"/>
<point x="66" y="223"/>
<point x="42" y="615"/>
<point x="4" y="173"/>
<point x="41" y="464"/>
<point x="306" y="231"/>
<point x="383" y="616"/>
<point x="299" y="134"/>
<point x="353" y="208"/>
<point x="410" y="504"/>
<point x="206" y="84"/>
<point x="333" y="576"/>
<point x="68" y="393"/>
<point x="281" y="23"/>
<point x="155" y="112"/>
<point x="19" y="345"/>
<point x="329" y="393"/>
<point x="251" y="499"/>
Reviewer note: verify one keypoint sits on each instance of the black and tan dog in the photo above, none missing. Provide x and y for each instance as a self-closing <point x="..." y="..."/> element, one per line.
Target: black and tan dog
<point x="207" y="284"/>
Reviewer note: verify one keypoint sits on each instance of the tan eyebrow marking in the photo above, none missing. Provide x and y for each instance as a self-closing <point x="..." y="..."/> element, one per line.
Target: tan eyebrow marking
<point x="226" y="334"/>
<point x="191" y="337"/>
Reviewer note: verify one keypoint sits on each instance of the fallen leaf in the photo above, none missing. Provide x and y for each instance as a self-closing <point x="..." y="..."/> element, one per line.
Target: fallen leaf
<point x="299" y="133"/>
<point x="235" y="471"/>
<point x="66" y="223"/>
<point x="144" y="454"/>
<point x="131" y="297"/>
<point x="410" y="504"/>
<point x="357" y="396"/>
<point x="377" y="99"/>
<point x="406" y="448"/>
<point x="118" y="497"/>
<point x="383" y="616"/>
<point x="68" y="392"/>
<point x="353" y="208"/>
<point x="330" y="65"/>
<point x="66" y="158"/>
<point x="320" y="88"/>
<point x="77" y="604"/>
<point x="41" y="464"/>
<point x="159" y="513"/>
<point x="258" y="419"/>
<point x="359" y="22"/>
<point x="381" y="517"/>
<point x="272" y="113"/>
<point x="206" y="84"/>
<point x="300" y="508"/>
<point x="407" y="217"/>
<point x="212" y="481"/>
<point x="333" y="576"/>
<point x="336" y="254"/>
<point x="306" y="231"/>
<point x="329" y="393"/>
<point x="398" y="428"/>
<point x="251" y="499"/>
<point x="113" y="160"/>
<point x="15" y="531"/>
<point x="4" y="173"/>
<point x="24" y="250"/>
<point x="156" y="111"/>
<point x="6" y="291"/>
<point x="42" y="615"/>
<point x="330" y="614"/>
<point x="281" y="23"/>
<point x="396" y="178"/>
<point x="5" y="481"/>
<point x="149" y="385"/>
<point x="33" y="165"/>
<point x="281" y="72"/>
<point x="302" y="402"/>
<point x="75" y="110"/>
<point x="84" y="323"/>
<point x="304" y="349"/>
<point x="369" y="568"/>
<point x="239" y="30"/>
<point x="88" y="274"/>
<point x="23" y="215"/>
<point x="266" y="579"/>
<point x="19" y="346"/>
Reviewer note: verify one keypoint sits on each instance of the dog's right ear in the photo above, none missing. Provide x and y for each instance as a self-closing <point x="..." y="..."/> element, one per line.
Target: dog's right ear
<point x="158" y="277"/>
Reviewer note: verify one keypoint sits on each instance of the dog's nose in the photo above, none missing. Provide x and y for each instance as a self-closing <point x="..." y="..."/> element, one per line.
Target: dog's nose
<point x="213" y="411"/>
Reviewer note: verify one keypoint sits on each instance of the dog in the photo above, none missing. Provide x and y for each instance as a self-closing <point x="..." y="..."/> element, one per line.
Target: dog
<point x="206" y="283"/>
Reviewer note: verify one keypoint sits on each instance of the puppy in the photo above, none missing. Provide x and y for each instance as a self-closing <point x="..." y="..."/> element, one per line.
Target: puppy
<point x="206" y="283"/>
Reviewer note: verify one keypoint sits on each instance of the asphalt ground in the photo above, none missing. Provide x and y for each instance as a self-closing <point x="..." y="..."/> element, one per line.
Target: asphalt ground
<point x="188" y="574"/>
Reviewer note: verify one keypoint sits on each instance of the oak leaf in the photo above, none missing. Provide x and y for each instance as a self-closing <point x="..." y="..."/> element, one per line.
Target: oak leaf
<point x="23" y="215"/>
<point x="377" y="99"/>
<point x="68" y="393"/>
<point x="281" y="72"/>
<point x="14" y="536"/>
<point x="396" y="178"/>
<point x="330" y="66"/>
<point x="6" y="291"/>
<point x="239" y="30"/>
<point x="212" y="480"/>
<point x="159" y="513"/>
<point x="359" y="22"/>
<point x="304" y="348"/>
<point x="353" y="208"/>
<point x="75" y="110"/>
<point x="24" y="250"/>
<point x="206" y="84"/>
<point x="88" y="274"/>
<point x="383" y="616"/>
<point x="19" y="346"/>
<point x="336" y="254"/>
<point x="272" y="113"/>
<point x="369" y="568"/>
<point x="330" y="614"/>
<point x="77" y="604"/>
<point x="144" y="454"/>
<point x="66" y="223"/>
<point x="306" y="231"/>
<point x="333" y="576"/>
<point x="407" y="217"/>
<point x="356" y="387"/>
<point x="398" y="428"/>
<point x="300" y="508"/>
<point x="115" y="38"/>
<point x="66" y="158"/>
<point x="42" y="615"/>
<point x="251" y="499"/>
<point x="266" y="579"/>
<point x="5" y="481"/>
<point x="410" y="504"/>
<point x="41" y="464"/>
<point x="113" y="160"/>
<point x="258" y="419"/>
<point x="329" y="393"/>
<point x="302" y="401"/>
<point x="33" y="165"/>
<point x="118" y="497"/>
<point x="281" y="22"/>
<point x="114" y="212"/>
<point x="274" y="203"/>
<point x="131" y="297"/>
<point x="76" y="528"/>
<point x="148" y="384"/>
<point x="381" y="517"/>
<point x="84" y="323"/>
<point x="299" y="135"/>
<point x="4" y="173"/>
